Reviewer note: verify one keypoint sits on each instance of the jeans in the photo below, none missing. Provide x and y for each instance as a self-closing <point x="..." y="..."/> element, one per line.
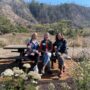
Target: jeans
<point x="46" y="59"/>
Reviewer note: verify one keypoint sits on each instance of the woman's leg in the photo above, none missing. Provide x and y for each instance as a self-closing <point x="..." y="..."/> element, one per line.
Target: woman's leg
<point x="53" y="60"/>
<point x="60" y="63"/>
<point x="46" y="59"/>
<point x="35" y="59"/>
<point x="52" y="64"/>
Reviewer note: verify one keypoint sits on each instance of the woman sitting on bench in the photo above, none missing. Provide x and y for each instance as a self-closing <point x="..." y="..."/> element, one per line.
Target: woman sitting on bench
<point x="59" y="49"/>
<point x="46" y="49"/>
<point x="32" y="50"/>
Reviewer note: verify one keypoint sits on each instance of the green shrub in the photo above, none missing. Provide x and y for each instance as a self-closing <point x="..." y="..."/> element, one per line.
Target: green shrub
<point x="7" y="27"/>
<point x="2" y="44"/>
<point x="17" y="84"/>
<point x="52" y="32"/>
<point x="21" y="29"/>
<point x="82" y="74"/>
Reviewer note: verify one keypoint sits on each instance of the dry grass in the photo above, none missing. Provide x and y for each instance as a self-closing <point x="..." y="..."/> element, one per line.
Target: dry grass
<point x="21" y="38"/>
<point x="12" y="39"/>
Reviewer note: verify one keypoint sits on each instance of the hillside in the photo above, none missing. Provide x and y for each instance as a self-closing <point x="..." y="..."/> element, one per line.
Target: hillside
<point x="79" y="15"/>
<point x="17" y="12"/>
<point x="27" y="14"/>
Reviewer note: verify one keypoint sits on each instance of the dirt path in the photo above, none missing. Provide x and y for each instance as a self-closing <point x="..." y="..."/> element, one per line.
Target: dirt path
<point x="45" y="81"/>
<point x="68" y="63"/>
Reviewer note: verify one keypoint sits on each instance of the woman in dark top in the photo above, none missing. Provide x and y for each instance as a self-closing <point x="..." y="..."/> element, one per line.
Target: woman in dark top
<point x="32" y="51"/>
<point x="59" y="47"/>
<point x="46" y="49"/>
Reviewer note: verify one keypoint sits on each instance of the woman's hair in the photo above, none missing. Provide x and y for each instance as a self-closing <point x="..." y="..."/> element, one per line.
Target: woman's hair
<point x="56" y="38"/>
<point x="33" y="36"/>
<point x="46" y="34"/>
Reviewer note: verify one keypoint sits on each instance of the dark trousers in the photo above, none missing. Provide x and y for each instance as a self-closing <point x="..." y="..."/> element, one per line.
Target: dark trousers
<point x="60" y="60"/>
<point x="34" y="58"/>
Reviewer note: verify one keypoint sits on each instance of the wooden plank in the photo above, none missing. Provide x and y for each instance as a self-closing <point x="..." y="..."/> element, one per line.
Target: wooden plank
<point x="23" y="58"/>
<point x="15" y="47"/>
<point x="14" y="57"/>
<point x="6" y="62"/>
<point x="14" y="51"/>
<point x="7" y="57"/>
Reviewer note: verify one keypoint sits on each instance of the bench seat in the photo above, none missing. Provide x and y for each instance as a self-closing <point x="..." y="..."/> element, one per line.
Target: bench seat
<point x="23" y="58"/>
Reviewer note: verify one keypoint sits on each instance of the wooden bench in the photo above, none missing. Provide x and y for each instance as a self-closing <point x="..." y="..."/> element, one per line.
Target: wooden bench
<point x="19" y="58"/>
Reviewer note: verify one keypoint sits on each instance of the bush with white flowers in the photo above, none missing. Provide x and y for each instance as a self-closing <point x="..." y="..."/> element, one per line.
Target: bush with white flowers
<point x="65" y="86"/>
<point x="51" y="86"/>
<point x="17" y="71"/>
<point x="7" y="72"/>
<point x="27" y="65"/>
<point x="34" y="75"/>
<point x="24" y="76"/>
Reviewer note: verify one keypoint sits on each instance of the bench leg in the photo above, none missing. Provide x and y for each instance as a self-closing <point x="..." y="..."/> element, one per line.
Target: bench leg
<point x="52" y="64"/>
<point x="19" y="63"/>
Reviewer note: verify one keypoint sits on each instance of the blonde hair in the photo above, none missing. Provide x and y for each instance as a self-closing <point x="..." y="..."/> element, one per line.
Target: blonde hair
<point x="46" y="34"/>
<point x="33" y="35"/>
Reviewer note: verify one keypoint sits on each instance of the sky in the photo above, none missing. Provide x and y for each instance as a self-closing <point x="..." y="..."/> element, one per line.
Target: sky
<point x="55" y="2"/>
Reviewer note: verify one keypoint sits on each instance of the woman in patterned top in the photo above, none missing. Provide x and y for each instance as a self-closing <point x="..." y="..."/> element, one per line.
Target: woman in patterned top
<point x="32" y="51"/>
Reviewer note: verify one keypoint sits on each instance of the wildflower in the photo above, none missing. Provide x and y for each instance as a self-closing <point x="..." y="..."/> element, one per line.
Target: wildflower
<point x="51" y="86"/>
<point x="34" y="75"/>
<point x="34" y="82"/>
<point x="7" y="72"/>
<point x="24" y="76"/>
<point x="27" y="65"/>
<point x="65" y="86"/>
<point x="17" y="71"/>
<point x="15" y="68"/>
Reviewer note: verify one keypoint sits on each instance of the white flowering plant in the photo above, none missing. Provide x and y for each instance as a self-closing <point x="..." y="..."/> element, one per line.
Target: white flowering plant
<point x="34" y="75"/>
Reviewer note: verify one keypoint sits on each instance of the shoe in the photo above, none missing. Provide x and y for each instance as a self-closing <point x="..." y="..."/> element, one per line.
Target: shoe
<point x="67" y="57"/>
<point x="43" y="72"/>
<point x="60" y="74"/>
<point x="64" y="69"/>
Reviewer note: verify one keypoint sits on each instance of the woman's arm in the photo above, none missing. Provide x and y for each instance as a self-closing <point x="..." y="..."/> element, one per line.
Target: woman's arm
<point x="40" y="48"/>
<point x="54" y="46"/>
<point x="51" y="47"/>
